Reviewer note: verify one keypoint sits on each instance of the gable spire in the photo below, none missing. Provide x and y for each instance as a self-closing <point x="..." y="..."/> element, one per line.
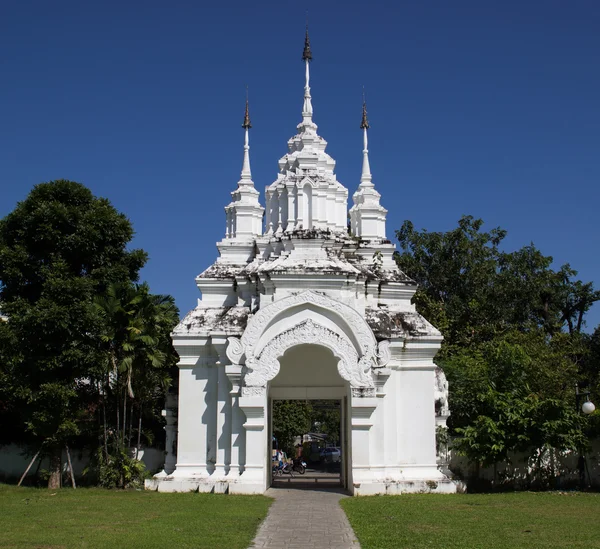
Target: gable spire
<point x="365" y="179"/>
<point x="367" y="216"/>
<point x="246" y="177"/>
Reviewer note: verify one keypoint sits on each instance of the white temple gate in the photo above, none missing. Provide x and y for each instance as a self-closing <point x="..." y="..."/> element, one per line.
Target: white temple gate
<point x="330" y="304"/>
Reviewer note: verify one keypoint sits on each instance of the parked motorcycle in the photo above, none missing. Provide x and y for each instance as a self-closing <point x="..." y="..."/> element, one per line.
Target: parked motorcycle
<point x="284" y="469"/>
<point x="299" y="465"/>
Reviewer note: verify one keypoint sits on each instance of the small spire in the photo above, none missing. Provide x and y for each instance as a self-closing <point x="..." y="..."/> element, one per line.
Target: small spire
<point x="246" y="123"/>
<point x="365" y="179"/>
<point x="246" y="174"/>
<point x="307" y="54"/>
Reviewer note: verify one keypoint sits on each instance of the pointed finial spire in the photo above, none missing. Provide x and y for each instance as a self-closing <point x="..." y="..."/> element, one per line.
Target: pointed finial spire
<point x="365" y="179"/>
<point x="307" y="110"/>
<point x="246" y="123"/>
<point x="246" y="174"/>
<point x="307" y="54"/>
<point x="364" y="125"/>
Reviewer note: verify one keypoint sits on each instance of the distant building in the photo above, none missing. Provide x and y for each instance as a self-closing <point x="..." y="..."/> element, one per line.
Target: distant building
<point x="306" y="306"/>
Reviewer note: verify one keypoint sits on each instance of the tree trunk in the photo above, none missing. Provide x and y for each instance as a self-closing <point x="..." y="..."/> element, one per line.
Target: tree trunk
<point x="124" y="416"/>
<point x="118" y="408"/>
<point x="54" y="480"/>
<point x="116" y="393"/>
<point x="139" y="438"/>
<point x="28" y="467"/>
<point x="130" y="435"/>
<point x="70" y="467"/>
<point x="104" y="396"/>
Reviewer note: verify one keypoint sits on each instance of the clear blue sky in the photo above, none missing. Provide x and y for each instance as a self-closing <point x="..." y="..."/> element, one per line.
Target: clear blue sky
<point x="483" y="108"/>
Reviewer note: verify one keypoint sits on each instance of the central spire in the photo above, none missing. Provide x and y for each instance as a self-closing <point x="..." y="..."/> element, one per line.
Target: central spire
<point x="307" y="110"/>
<point x="365" y="178"/>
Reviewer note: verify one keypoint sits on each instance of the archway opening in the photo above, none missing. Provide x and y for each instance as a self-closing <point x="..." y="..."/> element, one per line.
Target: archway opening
<point x="308" y="429"/>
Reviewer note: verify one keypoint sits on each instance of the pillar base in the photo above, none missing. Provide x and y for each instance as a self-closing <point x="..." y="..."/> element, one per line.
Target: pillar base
<point x="249" y="482"/>
<point x="411" y="479"/>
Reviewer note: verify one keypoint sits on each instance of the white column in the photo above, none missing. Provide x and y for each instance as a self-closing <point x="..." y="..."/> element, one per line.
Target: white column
<point x="228" y="222"/>
<point x="274" y="212"/>
<point x="280" y="208"/>
<point x="291" y="218"/>
<point x="254" y="480"/>
<point x="238" y="435"/>
<point x="361" y="411"/>
<point x="268" y="222"/>
<point x="223" y="431"/>
<point x="300" y="204"/>
<point x="322" y="201"/>
<point x="170" y="415"/>
<point x="391" y="424"/>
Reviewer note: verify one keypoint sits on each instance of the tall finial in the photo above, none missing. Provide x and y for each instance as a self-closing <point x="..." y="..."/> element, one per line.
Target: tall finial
<point x="365" y="179"/>
<point x="246" y="123"/>
<point x="364" y="125"/>
<point x="307" y="110"/>
<point x="307" y="54"/>
<point x="246" y="175"/>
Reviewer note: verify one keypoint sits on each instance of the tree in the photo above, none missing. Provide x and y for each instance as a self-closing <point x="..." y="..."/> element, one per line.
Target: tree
<point x="472" y="290"/>
<point x="291" y="418"/>
<point x="513" y="343"/>
<point x="59" y="248"/>
<point x="138" y="357"/>
<point x="514" y="394"/>
<point x="326" y="419"/>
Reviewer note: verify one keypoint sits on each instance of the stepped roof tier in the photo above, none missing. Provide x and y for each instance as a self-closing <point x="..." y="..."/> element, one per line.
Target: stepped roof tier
<point x="309" y="239"/>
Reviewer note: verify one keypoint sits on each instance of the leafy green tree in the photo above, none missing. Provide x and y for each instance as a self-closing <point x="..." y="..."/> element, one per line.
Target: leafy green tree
<point x="59" y="248"/>
<point x="512" y="395"/>
<point x="139" y="357"/>
<point x="513" y="345"/>
<point x="473" y="291"/>
<point x="291" y="418"/>
<point x="326" y="418"/>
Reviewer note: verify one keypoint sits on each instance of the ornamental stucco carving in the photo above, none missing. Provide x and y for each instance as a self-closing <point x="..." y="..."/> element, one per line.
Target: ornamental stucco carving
<point x="358" y="325"/>
<point x="254" y="391"/>
<point x="234" y="350"/>
<point x="363" y="392"/>
<point x="265" y="367"/>
<point x="383" y="353"/>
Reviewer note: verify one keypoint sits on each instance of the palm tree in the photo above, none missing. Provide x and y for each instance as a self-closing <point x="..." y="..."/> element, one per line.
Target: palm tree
<point x="136" y="338"/>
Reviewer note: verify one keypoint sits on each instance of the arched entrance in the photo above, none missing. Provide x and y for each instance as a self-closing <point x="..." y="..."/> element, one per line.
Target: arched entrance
<point x="309" y="373"/>
<point x="298" y="323"/>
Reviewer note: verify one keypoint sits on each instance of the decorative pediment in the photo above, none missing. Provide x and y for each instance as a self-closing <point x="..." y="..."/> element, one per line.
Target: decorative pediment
<point x="265" y="367"/>
<point x="307" y="318"/>
<point x="345" y="316"/>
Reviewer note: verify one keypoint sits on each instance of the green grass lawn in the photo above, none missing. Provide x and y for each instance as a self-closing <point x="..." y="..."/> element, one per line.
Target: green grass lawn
<point x="89" y="517"/>
<point x="476" y="521"/>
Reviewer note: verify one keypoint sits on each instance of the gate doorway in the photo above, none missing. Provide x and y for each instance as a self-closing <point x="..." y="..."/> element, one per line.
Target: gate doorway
<point x="308" y="443"/>
<point x="308" y="387"/>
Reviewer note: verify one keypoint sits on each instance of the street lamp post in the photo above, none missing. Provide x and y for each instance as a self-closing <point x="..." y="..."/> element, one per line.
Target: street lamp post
<point x="587" y="408"/>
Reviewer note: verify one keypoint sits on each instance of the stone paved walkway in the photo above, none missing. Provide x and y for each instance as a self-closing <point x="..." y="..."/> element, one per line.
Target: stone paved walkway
<point x="303" y="519"/>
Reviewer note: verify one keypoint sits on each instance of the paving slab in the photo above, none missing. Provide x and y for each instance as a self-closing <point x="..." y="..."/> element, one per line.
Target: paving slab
<point x="305" y="519"/>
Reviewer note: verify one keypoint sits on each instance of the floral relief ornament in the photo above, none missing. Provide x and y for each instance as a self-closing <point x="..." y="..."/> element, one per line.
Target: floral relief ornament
<point x="350" y="368"/>
<point x="258" y="323"/>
